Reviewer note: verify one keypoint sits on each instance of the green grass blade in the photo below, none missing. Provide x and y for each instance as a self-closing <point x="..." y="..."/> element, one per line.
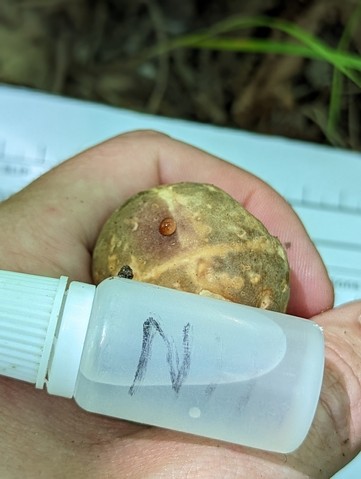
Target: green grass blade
<point x="311" y="47"/>
<point x="256" y="46"/>
<point x="267" y="46"/>
<point x="335" y="105"/>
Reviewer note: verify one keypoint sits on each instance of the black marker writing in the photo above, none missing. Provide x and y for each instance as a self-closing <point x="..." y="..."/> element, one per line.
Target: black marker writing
<point x="178" y="371"/>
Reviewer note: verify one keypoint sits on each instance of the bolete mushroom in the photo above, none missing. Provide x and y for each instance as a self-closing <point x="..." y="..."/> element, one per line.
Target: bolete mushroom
<point x="194" y="237"/>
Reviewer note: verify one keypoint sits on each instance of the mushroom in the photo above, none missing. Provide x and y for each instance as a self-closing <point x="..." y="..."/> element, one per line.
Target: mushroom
<point x="194" y="237"/>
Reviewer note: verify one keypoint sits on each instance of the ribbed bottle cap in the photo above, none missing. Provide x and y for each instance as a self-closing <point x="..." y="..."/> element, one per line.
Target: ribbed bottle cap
<point x="29" y="310"/>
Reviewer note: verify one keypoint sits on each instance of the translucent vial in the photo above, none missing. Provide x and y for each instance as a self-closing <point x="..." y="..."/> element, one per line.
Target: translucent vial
<point x="167" y="358"/>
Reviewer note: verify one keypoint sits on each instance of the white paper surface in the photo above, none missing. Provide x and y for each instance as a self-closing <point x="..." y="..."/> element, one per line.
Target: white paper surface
<point x="37" y="131"/>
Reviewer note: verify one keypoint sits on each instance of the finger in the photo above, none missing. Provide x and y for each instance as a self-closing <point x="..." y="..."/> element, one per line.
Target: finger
<point x="341" y="390"/>
<point x="74" y="200"/>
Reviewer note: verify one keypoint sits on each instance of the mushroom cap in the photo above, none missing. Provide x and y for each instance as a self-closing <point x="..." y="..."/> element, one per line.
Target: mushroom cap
<point x="195" y="237"/>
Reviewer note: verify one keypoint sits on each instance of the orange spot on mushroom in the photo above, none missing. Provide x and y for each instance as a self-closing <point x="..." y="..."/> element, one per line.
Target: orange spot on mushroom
<point x="167" y="227"/>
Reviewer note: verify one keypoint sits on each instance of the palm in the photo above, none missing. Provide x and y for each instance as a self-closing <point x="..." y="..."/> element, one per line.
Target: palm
<point x="57" y="222"/>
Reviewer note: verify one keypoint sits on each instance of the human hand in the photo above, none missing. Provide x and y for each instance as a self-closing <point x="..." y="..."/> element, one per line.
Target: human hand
<point x="50" y="228"/>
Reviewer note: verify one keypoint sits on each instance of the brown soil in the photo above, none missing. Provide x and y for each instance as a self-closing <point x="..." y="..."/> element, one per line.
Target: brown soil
<point x="97" y="50"/>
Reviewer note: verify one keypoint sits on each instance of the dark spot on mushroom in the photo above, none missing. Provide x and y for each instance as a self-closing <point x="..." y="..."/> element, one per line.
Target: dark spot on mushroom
<point x="167" y="227"/>
<point x="126" y="272"/>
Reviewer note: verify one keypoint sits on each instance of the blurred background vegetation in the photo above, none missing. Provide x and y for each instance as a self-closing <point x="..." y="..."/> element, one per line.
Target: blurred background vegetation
<point x="289" y="68"/>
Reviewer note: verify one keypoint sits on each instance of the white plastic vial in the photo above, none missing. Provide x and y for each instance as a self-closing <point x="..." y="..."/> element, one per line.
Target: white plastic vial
<point x="166" y="358"/>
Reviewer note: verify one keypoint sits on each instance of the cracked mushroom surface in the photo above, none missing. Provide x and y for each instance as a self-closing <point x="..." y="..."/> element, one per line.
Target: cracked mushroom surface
<point x="194" y="237"/>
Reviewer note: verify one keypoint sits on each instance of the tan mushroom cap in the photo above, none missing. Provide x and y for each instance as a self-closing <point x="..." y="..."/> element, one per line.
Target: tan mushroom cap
<point x="195" y="237"/>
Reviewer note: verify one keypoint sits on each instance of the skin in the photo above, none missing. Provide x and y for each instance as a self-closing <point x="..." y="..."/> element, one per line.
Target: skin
<point x="51" y="227"/>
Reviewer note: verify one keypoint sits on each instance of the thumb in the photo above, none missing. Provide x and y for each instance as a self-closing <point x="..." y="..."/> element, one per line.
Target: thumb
<point x="54" y="223"/>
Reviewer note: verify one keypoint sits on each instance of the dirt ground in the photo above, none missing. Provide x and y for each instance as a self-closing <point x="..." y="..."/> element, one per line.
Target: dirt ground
<point x="99" y="50"/>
